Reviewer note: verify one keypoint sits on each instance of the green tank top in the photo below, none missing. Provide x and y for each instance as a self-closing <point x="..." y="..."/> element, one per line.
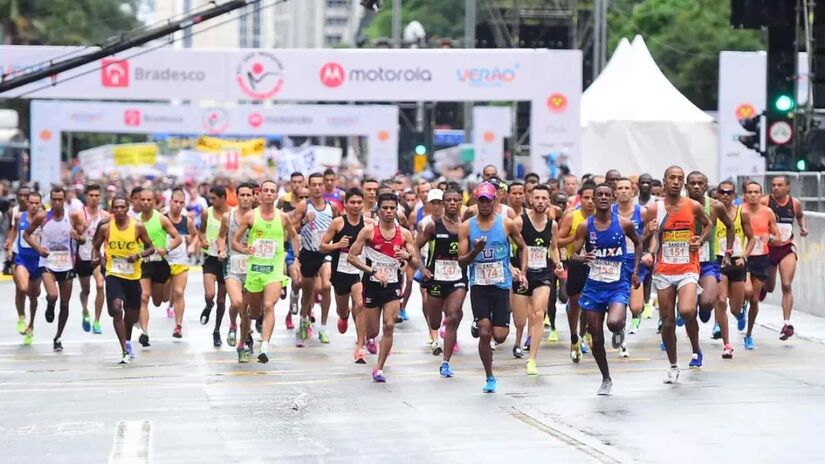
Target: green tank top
<point x="267" y="237"/>
<point x="213" y="229"/>
<point x="155" y="230"/>
<point x="708" y="251"/>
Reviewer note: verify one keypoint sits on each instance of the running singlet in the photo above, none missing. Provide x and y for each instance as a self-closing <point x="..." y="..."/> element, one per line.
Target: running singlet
<point x="84" y="250"/>
<point x="336" y="197"/>
<point x="178" y="255"/>
<point x="578" y="218"/>
<point x="380" y="255"/>
<point x="157" y="235"/>
<point x="785" y="216"/>
<point x="213" y="229"/>
<point x="23" y="249"/>
<point x="56" y="236"/>
<point x="267" y="238"/>
<point x="722" y="233"/>
<point x="339" y="257"/>
<point x="638" y="223"/>
<point x="675" y="231"/>
<point x="707" y="250"/>
<point x="760" y="226"/>
<point x="442" y="256"/>
<point x="538" y="244"/>
<point x="312" y="230"/>
<point x="121" y="245"/>
<point x="237" y="261"/>
<point x="610" y="247"/>
<point x="491" y="266"/>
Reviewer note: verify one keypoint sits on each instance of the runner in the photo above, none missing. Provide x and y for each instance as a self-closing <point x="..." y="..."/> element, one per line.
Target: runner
<point x="301" y="194"/>
<point x="90" y="216"/>
<point x="315" y="216"/>
<point x="27" y="272"/>
<point x="540" y="234"/>
<point x="765" y="230"/>
<point x="268" y="228"/>
<point x="605" y="236"/>
<point x="420" y="210"/>
<point x="732" y="286"/>
<point x="213" y="263"/>
<point x="122" y="238"/>
<point x="382" y="273"/>
<point x="178" y="257"/>
<point x="445" y="280"/>
<point x="11" y="246"/>
<point x="235" y="265"/>
<point x="490" y="276"/>
<point x="676" y="273"/>
<point x="346" y="279"/>
<point x="56" y="248"/>
<point x="783" y="251"/>
<point x="332" y="193"/>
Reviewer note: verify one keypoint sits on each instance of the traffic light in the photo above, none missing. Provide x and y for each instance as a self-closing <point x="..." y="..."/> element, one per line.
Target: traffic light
<point x="753" y="126"/>
<point x="420" y="149"/>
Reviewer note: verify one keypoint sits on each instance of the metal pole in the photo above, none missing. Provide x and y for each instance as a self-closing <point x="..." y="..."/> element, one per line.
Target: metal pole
<point x="396" y="23"/>
<point x="469" y="42"/>
<point x="597" y="30"/>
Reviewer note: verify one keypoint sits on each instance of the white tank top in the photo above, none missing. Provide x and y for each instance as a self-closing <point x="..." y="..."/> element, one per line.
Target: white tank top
<point x="312" y="230"/>
<point x="84" y="251"/>
<point x="56" y="237"/>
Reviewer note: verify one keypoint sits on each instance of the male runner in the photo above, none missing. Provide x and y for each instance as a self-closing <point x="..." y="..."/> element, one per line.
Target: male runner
<point x="235" y="265"/>
<point x="676" y="273"/>
<point x="382" y="273"/>
<point x="90" y="216"/>
<point x="764" y="225"/>
<point x="516" y="197"/>
<point x="12" y="249"/>
<point x="178" y="257"/>
<point x="314" y="216"/>
<point x="490" y="276"/>
<point x="215" y="251"/>
<point x="488" y="172"/>
<point x="783" y="251"/>
<point x="58" y="233"/>
<point x="290" y="199"/>
<point x="645" y="197"/>
<point x="370" y="189"/>
<point x="419" y="211"/>
<point x="332" y="193"/>
<point x="123" y="238"/>
<point x="268" y="228"/>
<point x="27" y="271"/>
<point x="346" y="278"/>
<point x="605" y="236"/>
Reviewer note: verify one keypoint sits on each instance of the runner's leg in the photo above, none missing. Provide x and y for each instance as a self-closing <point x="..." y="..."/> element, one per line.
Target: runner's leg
<point x="65" y="289"/>
<point x="178" y="283"/>
<point x="787" y="270"/>
<point x="390" y="311"/>
<point x="453" y="313"/>
<point x="326" y="299"/>
<point x="521" y="309"/>
<point x="667" y="312"/>
<point x="536" y="318"/>
<point x="595" y="325"/>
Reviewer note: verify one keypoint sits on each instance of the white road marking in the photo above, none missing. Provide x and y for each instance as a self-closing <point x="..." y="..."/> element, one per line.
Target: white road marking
<point x="131" y="443"/>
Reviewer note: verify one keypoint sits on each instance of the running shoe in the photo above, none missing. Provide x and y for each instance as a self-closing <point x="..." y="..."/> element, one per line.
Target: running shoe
<point x="359" y="357"/>
<point x="372" y="347"/>
<point x="679" y="321"/>
<point x="696" y="360"/>
<point x="87" y="323"/>
<point x="749" y="345"/>
<point x="727" y="352"/>
<point x="647" y="312"/>
<point x="553" y="336"/>
<point x="659" y="326"/>
<point x="303" y="331"/>
<point x="170" y="312"/>
<point x="662" y="346"/>
<point x="527" y="343"/>
<point x="178" y="332"/>
<point x="403" y="315"/>
<point x="299" y="342"/>
<point x="786" y="333"/>
<point x="243" y="356"/>
<point x="96" y="328"/>
<point x="436" y="348"/>
<point x="493" y="345"/>
<point x="617" y="340"/>
<point x="378" y="376"/>
<point x="576" y="351"/>
<point x="250" y="344"/>
<point x="635" y="323"/>
<point x="49" y="313"/>
<point x="28" y="338"/>
<point x="323" y="337"/>
<point x="546" y="321"/>
<point x="474" y="329"/>
<point x="130" y="350"/>
<point x="742" y="318"/>
<point x="124" y="358"/>
<point x="445" y="370"/>
<point x="490" y="385"/>
<point x="672" y="376"/>
<point x="705" y="314"/>
<point x="232" y="336"/>
<point x="312" y="317"/>
<point x="205" y="315"/>
<point x="283" y="293"/>
<point x="586" y="345"/>
<point x="717" y="332"/>
<point x="532" y="369"/>
<point x="429" y="341"/>
<point x="623" y="351"/>
<point x="263" y="358"/>
<point x="343" y="325"/>
<point x="518" y="353"/>
<point x="144" y="339"/>
<point x="57" y="345"/>
<point x="21" y="325"/>
<point x="288" y="322"/>
<point x="216" y="339"/>
<point x="605" y="388"/>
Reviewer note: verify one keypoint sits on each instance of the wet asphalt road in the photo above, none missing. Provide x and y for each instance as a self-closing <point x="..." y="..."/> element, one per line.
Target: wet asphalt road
<point x="185" y="401"/>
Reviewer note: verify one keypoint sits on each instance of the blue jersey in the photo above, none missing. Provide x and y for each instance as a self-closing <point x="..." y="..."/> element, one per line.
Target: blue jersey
<point x="491" y="266"/>
<point x="610" y="247"/>
<point x="24" y="250"/>
<point x="639" y="223"/>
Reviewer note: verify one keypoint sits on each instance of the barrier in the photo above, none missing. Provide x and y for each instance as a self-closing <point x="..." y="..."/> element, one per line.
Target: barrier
<point x="807" y="187"/>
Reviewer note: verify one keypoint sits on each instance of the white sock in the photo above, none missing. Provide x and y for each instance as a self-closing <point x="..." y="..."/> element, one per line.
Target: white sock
<point x="324" y="327"/>
<point x="264" y="347"/>
<point x="787" y="322"/>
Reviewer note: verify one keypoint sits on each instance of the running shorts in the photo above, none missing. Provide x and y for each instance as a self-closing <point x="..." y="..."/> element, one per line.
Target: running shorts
<point x="257" y="281"/>
<point x="31" y="264"/>
<point x="343" y="282"/>
<point x="593" y="299"/>
<point x="758" y="266"/>
<point x="311" y="262"/>
<point x="710" y="268"/>
<point x="84" y="268"/>
<point x="290" y="253"/>
<point x="663" y="281"/>
<point x="732" y="272"/>
<point x="778" y="253"/>
<point x="440" y="289"/>
<point x="491" y="303"/>
<point x="158" y="271"/>
<point x="376" y="296"/>
<point x="576" y="277"/>
<point x="60" y="276"/>
<point x="644" y="271"/>
<point x="213" y="265"/>
<point x="178" y="269"/>
<point x="532" y="284"/>
<point x="122" y="289"/>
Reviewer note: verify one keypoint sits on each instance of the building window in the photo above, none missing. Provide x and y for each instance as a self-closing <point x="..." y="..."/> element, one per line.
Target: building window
<point x="337" y="21"/>
<point x="333" y="39"/>
<point x="337" y="3"/>
<point x="256" y="26"/>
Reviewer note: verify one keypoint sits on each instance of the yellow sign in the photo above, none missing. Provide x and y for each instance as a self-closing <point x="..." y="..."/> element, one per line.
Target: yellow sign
<point x="419" y="163"/>
<point x="252" y="147"/>
<point x="135" y="154"/>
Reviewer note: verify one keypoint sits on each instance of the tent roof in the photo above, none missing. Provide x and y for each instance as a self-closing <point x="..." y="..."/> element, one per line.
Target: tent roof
<point x="632" y="88"/>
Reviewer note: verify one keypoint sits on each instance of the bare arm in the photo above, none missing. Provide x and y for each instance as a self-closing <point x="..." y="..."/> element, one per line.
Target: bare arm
<point x="354" y="256"/>
<point x="721" y="213"/>
<point x="15" y="225"/>
<point x="425" y="235"/>
<point x="36" y="222"/>
<point x="176" y="238"/>
<point x="800" y="218"/>
<point x="579" y="236"/>
<point x="101" y="236"/>
<point x="329" y="234"/>
<point x="566" y="235"/>
<point x="630" y="232"/>
<point x="143" y="236"/>
<point x="746" y="228"/>
<point x="514" y="232"/>
<point x="292" y="234"/>
<point x="412" y="252"/>
<point x="243" y="226"/>
<point x="466" y="255"/>
<point x="554" y="247"/>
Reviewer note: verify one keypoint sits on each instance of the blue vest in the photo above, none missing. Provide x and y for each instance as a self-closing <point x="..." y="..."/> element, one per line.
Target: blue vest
<point x="496" y="251"/>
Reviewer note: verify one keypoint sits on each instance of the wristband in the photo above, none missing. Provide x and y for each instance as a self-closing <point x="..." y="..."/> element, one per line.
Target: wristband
<point x="729" y="251"/>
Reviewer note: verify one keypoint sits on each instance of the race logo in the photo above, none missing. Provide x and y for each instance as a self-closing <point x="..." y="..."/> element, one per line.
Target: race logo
<point x="745" y="111"/>
<point x="255" y="120"/>
<point x="215" y="120"/>
<point x="332" y="75"/>
<point x="557" y="103"/>
<point x="131" y="118"/>
<point x="383" y="136"/>
<point x="260" y="75"/>
<point x="114" y="73"/>
<point x="486" y="76"/>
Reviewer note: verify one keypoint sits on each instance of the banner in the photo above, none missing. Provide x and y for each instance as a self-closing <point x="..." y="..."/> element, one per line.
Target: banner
<point x="135" y="154"/>
<point x="243" y="147"/>
<point x="491" y="124"/>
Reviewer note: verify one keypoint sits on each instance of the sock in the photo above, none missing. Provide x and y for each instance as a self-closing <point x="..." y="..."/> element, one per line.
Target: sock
<point x="264" y="347"/>
<point x="144" y="332"/>
<point x="787" y="322"/>
<point x="324" y="327"/>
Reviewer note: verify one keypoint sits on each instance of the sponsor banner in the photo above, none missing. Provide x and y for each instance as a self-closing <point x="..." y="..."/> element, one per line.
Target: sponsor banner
<point x="491" y="124"/>
<point x="243" y="147"/>
<point x="135" y="154"/>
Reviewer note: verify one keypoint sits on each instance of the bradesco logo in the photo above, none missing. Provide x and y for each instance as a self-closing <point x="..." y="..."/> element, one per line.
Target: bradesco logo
<point x="114" y="73"/>
<point x="487" y="76"/>
<point x="260" y="75"/>
<point x="333" y="74"/>
<point x="118" y="73"/>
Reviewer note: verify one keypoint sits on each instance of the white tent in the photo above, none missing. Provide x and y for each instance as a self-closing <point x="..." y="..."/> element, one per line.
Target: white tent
<point x="634" y="120"/>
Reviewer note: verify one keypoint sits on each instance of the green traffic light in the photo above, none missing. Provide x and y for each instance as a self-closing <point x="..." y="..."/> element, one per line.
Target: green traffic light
<point x="800" y="165"/>
<point x="783" y="103"/>
<point x="420" y="150"/>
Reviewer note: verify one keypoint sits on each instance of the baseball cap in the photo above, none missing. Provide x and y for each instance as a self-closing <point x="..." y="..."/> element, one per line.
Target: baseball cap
<point x="435" y="194"/>
<point x="498" y="183"/>
<point x="487" y="190"/>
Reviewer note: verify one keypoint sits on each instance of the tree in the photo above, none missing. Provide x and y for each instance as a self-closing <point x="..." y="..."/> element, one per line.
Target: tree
<point x="440" y="18"/>
<point x="65" y="22"/>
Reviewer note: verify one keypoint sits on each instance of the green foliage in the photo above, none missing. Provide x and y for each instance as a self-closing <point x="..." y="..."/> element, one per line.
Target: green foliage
<point x="440" y="18"/>
<point x="65" y="22"/>
<point x="685" y="38"/>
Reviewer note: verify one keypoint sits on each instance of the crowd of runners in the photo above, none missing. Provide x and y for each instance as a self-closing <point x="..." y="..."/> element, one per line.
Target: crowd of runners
<point x="598" y="245"/>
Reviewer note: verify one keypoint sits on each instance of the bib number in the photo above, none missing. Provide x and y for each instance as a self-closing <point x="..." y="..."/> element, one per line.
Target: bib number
<point x="237" y="264"/>
<point x="536" y="257"/>
<point x="344" y="266"/>
<point x="384" y="270"/>
<point x="489" y="273"/>
<point x="631" y="247"/>
<point x="152" y="258"/>
<point x="265" y="248"/>
<point x="605" y="271"/>
<point x="122" y="266"/>
<point x="213" y="248"/>
<point x="59" y="260"/>
<point x="785" y="231"/>
<point x="737" y="247"/>
<point x="447" y="270"/>
<point x="704" y="253"/>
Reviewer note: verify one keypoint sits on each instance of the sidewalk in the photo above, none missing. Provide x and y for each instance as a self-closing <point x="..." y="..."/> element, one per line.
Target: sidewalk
<point x="807" y="326"/>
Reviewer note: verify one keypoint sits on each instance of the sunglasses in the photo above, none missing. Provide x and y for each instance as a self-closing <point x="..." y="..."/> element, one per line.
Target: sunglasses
<point x="726" y="192"/>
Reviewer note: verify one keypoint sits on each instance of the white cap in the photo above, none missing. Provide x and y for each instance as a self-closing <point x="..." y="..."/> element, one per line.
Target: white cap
<point x="435" y="194"/>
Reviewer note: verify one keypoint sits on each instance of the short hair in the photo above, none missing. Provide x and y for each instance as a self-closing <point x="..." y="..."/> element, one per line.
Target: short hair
<point x="698" y="173"/>
<point x="267" y="181"/>
<point x="369" y="180"/>
<point x="177" y="190"/>
<point x="296" y="174"/>
<point x="531" y="175"/>
<point x="451" y="189"/>
<point x="353" y="192"/>
<point x="670" y="168"/>
<point x="624" y="179"/>
<point x="604" y="185"/>
<point x="489" y="166"/>
<point x="249" y="185"/>
<point x="656" y="183"/>
<point x="328" y="172"/>
<point x="57" y="189"/>
<point x="316" y="174"/>
<point x="541" y="187"/>
<point x="753" y="182"/>
<point x="727" y="182"/>
<point x="387" y="197"/>
<point x="91" y="187"/>
<point x="516" y="183"/>
<point x="121" y="196"/>
<point x="587" y="186"/>
<point x="135" y="191"/>
<point x="785" y="177"/>
<point x="219" y="191"/>
<point x="35" y="193"/>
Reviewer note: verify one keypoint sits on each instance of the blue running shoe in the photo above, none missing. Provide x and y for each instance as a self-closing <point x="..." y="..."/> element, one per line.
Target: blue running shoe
<point x="87" y="323"/>
<point x="696" y="360"/>
<point x="403" y="315"/>
<point x="717" y="332"/>
<point x="679" y="321"/>
<point x="378" y="376"/>
<point x="704" y="315"/>
<point x="742" y="319"/>
<point x="445" y="370"/>
<point x="490" y="386"/>
<point x="749" y="345"/>
<point x="662" y="346"/>
<point x="585" y="349"/>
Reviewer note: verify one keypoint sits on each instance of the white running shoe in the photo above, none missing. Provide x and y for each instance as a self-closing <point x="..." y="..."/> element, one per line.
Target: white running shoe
<point x="672" y="375"/>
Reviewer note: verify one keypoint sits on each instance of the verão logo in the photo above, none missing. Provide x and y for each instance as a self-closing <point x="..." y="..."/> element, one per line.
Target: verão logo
<point x="131" y="118"/>
<point x="332" y="74"/>
<point x="260" y="75"/>
<point x="114" y="73"/>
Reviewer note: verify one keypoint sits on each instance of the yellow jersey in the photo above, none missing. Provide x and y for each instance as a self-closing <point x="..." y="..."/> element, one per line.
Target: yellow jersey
<point x="121" y="245"/>
<point x="722" y="236"/>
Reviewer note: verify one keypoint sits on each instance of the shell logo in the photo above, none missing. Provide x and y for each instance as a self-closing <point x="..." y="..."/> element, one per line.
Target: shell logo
<point x="383" y="136"/>
<point x="745" y="111"/>
<point x="45" y="135"/>
<point x="557" y="103"/>
<point x="489" y="136"/>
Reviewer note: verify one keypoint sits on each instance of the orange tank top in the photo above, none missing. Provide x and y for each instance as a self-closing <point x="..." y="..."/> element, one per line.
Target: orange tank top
<point x="761" y="228"/>
<point x="675" y="231"/>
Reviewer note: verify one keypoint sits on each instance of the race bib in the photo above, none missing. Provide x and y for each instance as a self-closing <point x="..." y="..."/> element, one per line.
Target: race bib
<point x="385" y="270"/>
<point x="785" y="231"/>
<point x="447" y="270"/>
<point x="237" y="264"/>
<point x="59" y="260"/>
<point x="152" y="258"/>
<point x="536" y="257"/>
<point x="489" y="273"/>
<point x="344" y="266"/>
<point x="602" y="270"/>
<point x="631" y="247"/>
<point x="704" y="253"/>
<point x="213" y="248"/>
<point x="563" y="254"/>
<point x="122" y="266"/>
<point x="675" y="247"/>
<point x="265" y="248"/>
<point x="759" y="245"/>
<point x="737" y="247"/>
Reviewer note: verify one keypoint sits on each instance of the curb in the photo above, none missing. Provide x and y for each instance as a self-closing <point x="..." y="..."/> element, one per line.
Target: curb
<point x="799" y="335"/>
